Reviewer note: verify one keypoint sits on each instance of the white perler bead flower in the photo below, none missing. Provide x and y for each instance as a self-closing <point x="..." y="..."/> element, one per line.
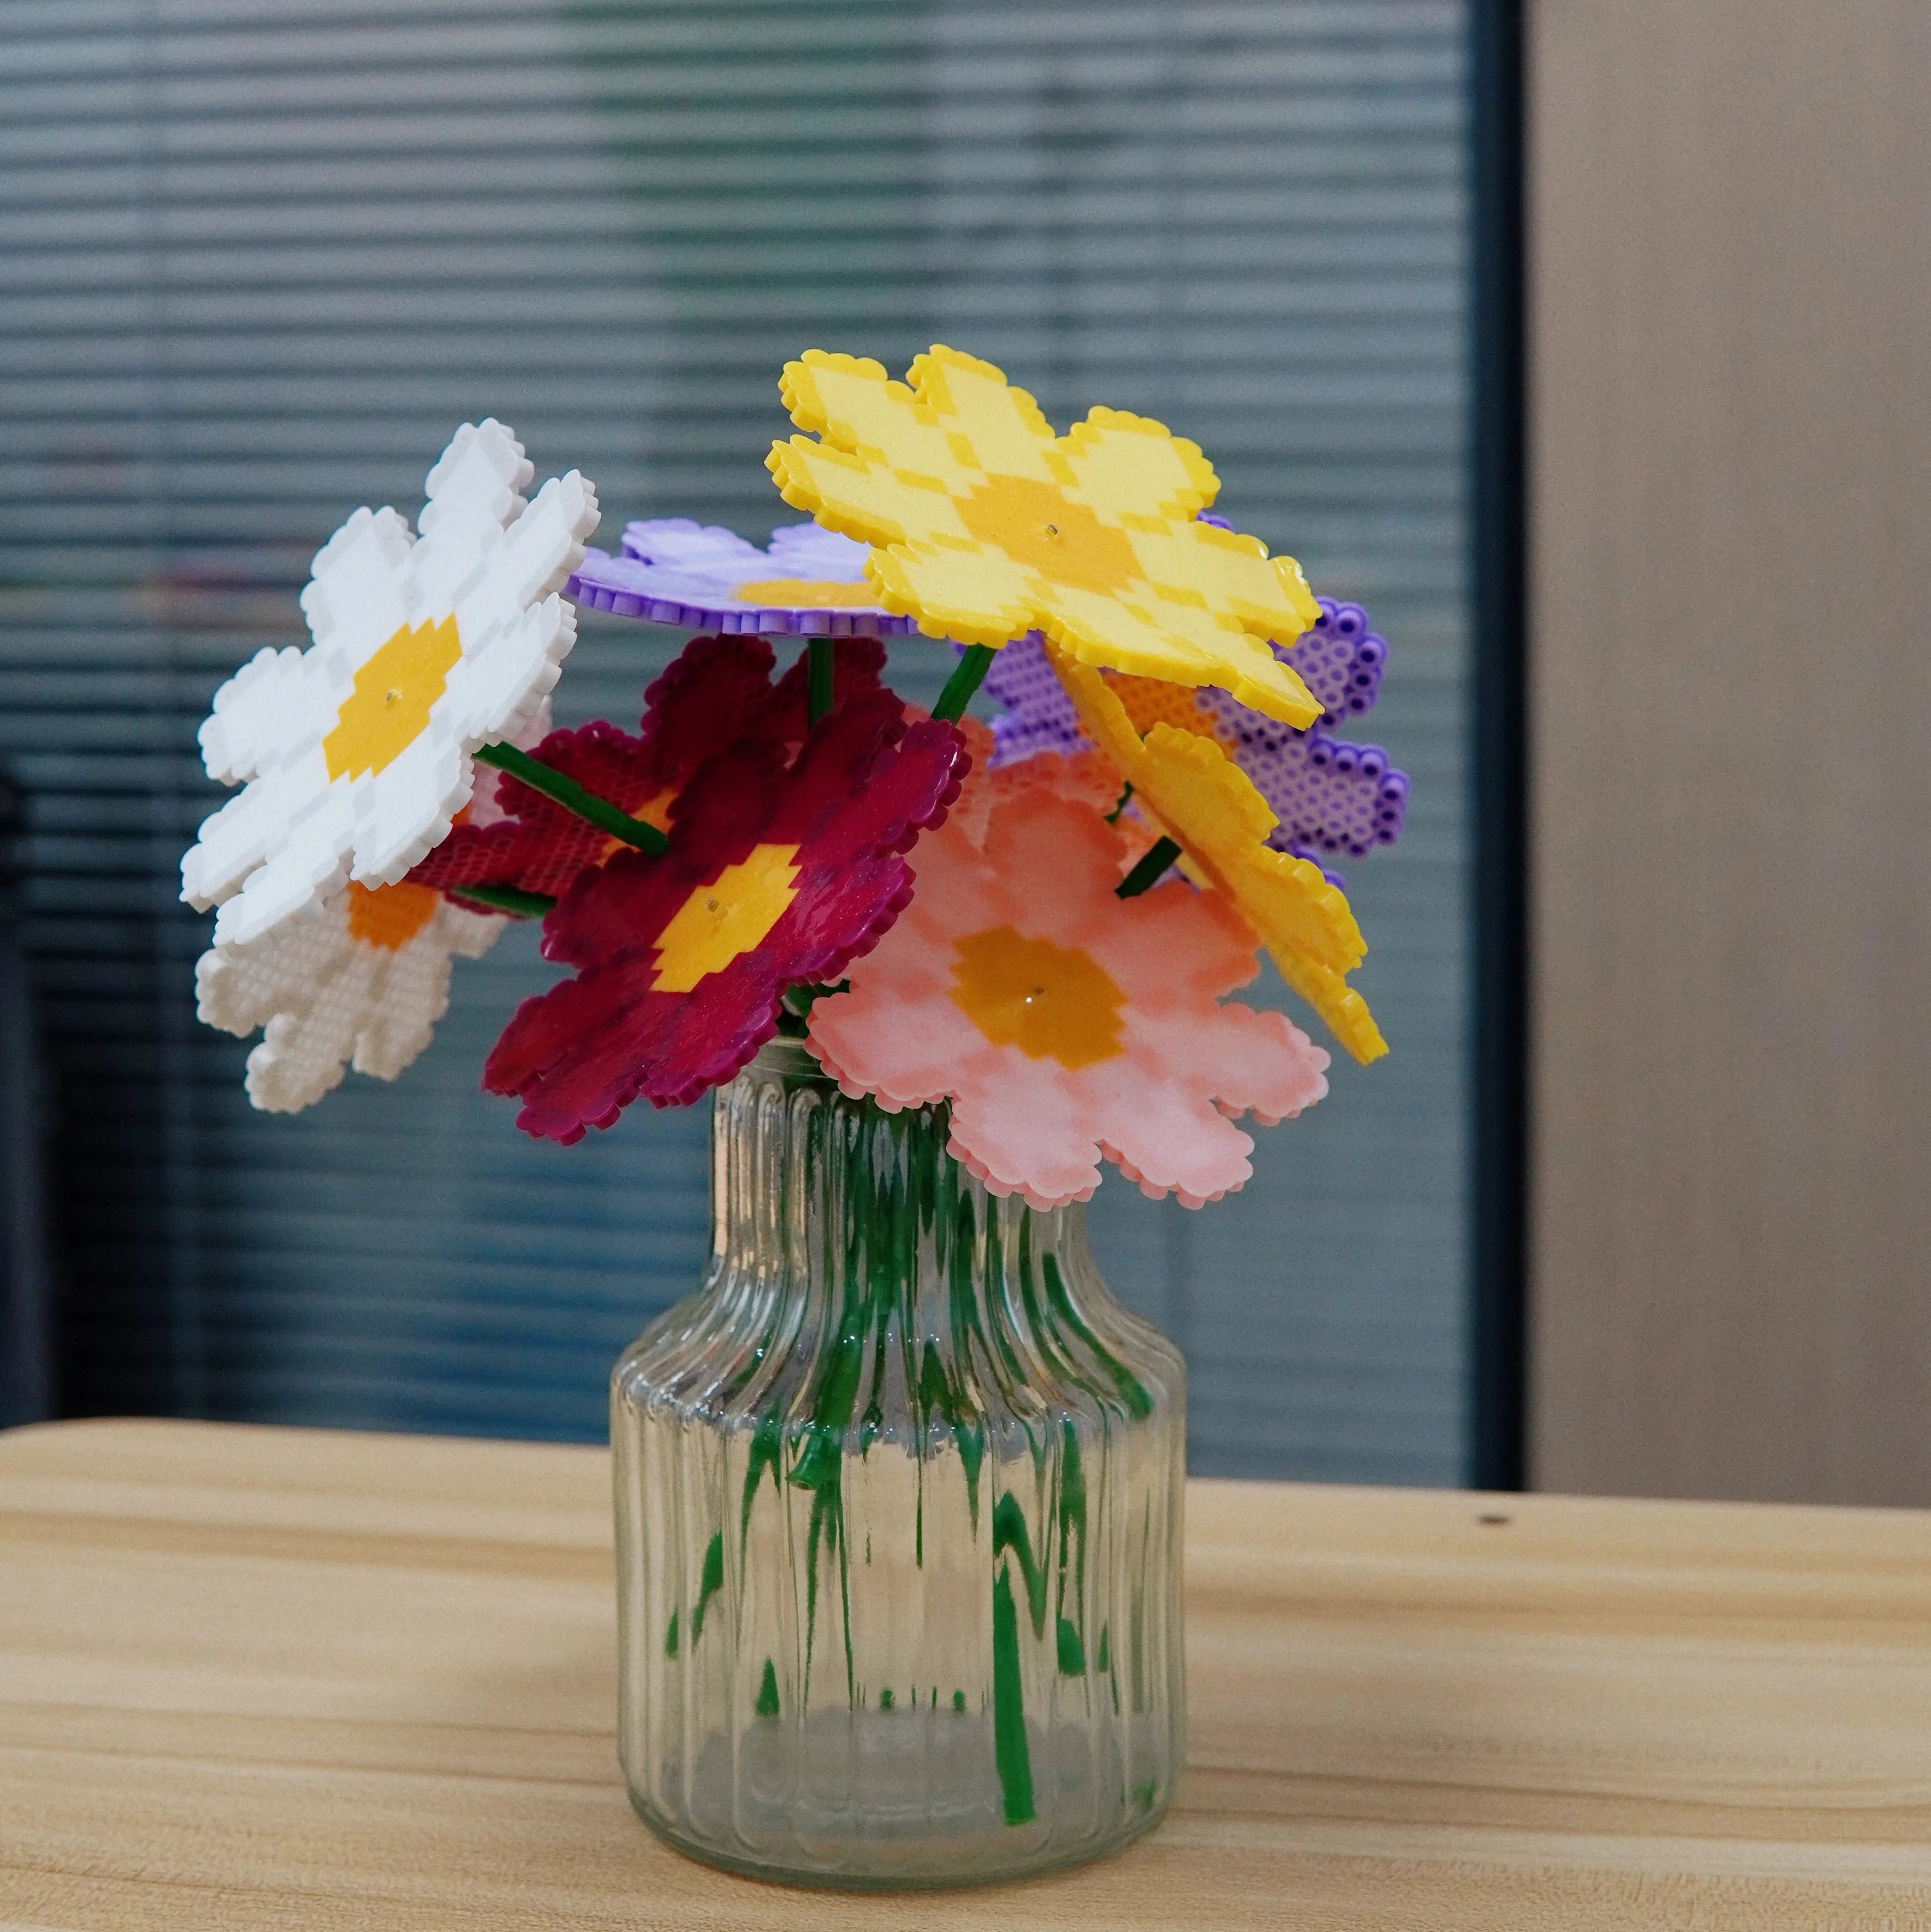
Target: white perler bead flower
<point x="364" y="977"/>
<point x="356" y="753"/>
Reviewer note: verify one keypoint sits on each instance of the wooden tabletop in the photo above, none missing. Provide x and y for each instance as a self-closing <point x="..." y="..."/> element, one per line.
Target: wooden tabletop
<point x="261" y="1679"/>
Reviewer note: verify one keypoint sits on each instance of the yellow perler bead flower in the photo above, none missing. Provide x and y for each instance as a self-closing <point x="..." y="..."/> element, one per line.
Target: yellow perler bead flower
<point x="987" y="526"/>
<point x="1185" y="786"/>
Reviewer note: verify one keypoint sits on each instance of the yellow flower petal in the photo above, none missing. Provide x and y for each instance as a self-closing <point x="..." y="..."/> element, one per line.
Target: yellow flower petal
<point x="1186" y="787"/>
<point x="850" y="401"/>
<point x="1132" y="465"/>
<point x="875" y="505"/>
<point x="1344" y="1010"/>
<point x="1097" y="526"/>
<point x="1228" y="571"/>
<point x="1002" y="426"/>
<point x="953" y="592"/>
<point x="1210" y="805"/>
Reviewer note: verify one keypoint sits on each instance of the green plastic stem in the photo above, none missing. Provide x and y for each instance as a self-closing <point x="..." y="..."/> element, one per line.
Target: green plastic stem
<point x="963" y="682"/>
<point x="507" y="898"/>
<point x="819" y="689"/>
<point x="569" y="794"/>
<point x="1153" y="863"/>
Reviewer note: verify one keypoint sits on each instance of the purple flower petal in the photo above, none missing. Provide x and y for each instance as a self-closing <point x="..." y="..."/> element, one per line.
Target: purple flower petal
<point x="673" y="571"/>
<point x="1332" y="797"/>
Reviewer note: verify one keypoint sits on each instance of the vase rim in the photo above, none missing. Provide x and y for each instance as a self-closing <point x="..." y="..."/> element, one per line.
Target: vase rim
<point x="783" y="1058"/>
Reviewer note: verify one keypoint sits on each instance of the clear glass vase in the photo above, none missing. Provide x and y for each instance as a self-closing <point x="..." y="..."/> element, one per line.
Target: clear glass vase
<point x="898" y="1496"/>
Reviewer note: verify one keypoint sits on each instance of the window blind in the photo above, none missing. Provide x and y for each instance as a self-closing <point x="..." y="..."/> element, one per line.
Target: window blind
<point x="261" y="255"/>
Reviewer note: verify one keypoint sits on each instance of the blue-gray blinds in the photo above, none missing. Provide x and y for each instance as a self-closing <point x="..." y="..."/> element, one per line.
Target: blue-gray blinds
<point x="261" y="255"/>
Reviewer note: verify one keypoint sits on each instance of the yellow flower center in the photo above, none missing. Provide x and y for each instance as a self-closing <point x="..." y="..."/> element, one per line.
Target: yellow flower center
<point x="388" y="709"/>
<point x="797" y="593"/>
<point x="720" y="922"/>
<point x="1051" y="1002"/>
<point x="388" y="917"/>
<point x="1036" y="524"/>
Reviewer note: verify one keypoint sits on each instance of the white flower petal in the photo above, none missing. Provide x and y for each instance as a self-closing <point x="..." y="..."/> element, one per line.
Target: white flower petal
<point x="327" y="998"/>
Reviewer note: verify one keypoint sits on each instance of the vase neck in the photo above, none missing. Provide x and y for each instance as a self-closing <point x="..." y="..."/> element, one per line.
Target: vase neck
<point x="837" y="1225"/>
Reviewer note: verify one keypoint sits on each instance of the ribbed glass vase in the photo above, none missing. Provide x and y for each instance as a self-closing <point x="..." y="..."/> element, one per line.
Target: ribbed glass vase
<point x="899" y="1495"/>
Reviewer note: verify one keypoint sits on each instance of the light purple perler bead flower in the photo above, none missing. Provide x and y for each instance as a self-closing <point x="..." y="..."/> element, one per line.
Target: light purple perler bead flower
<point x="1036" y="714"/>
<point x="1330" y="796"/>
<point x="705" y="577"/>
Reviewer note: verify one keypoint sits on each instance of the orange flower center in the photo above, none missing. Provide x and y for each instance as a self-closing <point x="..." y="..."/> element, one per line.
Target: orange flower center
<point x="723" y="920"/>
<point x="1051" y="1002"/>
<point x="654" y="811"/>
<point x="388" y="709"/>
<point x="1151" y="700"/>
<point x="388" y="917"/>
<point x="797" y="593"/>
<point x="1035" y="524"/>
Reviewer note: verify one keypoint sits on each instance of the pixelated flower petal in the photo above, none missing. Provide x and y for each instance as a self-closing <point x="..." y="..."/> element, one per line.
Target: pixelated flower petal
<point x="360" y="750"/>
<point x="1165" y="1145"/>
<point x="1128" y="467"/>
<point x="868" y="500"/>
<point x="259" y="710"/>
<point x="1123" y="634"/>
<point x="1035" y="1105"/>
<point x="810" y="582"/>
<point x="855" y="407"/>
<point x="1232" y="573"/>
<point x="364" y="977"/>
<point x="1002" y="426"/>
<point x="1329" y="795"/>
<point x="1085" y="778"/>
<point x="819" y="839"/>
<point x="1036" y="714"/>
<point x="1025" y="1131"/>
<point x="683" y="544"/>
<point x="716" y="691"/>
<point x="1186" y="787"/>
<point x="1341" y="660"/>
<point x="978" y="597"/>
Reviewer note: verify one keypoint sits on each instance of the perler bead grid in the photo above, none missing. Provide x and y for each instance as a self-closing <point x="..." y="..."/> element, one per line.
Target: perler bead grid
<point x="1331" y="796"/>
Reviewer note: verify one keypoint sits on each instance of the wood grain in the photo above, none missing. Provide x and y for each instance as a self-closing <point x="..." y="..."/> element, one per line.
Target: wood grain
<point x="1731" y="700"/>
<point x="269" y="1679"/>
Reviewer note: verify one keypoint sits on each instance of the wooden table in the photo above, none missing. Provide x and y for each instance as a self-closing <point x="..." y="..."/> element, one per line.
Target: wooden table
<point x="260" y="1679"/>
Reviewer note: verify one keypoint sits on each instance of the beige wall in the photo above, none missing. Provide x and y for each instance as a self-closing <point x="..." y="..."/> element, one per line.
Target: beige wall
<point x="1730" y="268"/>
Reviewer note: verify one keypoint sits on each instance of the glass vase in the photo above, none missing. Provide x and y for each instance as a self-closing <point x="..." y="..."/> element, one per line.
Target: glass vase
<point x="898" y="1497"/>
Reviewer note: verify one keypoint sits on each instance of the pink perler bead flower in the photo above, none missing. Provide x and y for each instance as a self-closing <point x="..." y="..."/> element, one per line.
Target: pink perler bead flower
<point x="1063" y="1023"/>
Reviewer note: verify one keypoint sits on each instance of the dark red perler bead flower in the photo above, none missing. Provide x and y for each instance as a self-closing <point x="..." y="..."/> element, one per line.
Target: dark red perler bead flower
<point x="780" y="870"/>
<point x="718" y="691"/>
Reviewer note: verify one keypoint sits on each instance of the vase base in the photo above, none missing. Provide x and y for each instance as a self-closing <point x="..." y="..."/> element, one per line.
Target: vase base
<point x="941" y="1876"/>
<point x="908" y="1797"/>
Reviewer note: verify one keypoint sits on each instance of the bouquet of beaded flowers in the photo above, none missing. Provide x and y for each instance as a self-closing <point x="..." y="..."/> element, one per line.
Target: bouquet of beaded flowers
<point x="1037" y="923"/>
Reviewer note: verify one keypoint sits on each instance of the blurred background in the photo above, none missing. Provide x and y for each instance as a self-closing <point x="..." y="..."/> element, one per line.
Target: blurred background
<point x="261" y="255"/>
